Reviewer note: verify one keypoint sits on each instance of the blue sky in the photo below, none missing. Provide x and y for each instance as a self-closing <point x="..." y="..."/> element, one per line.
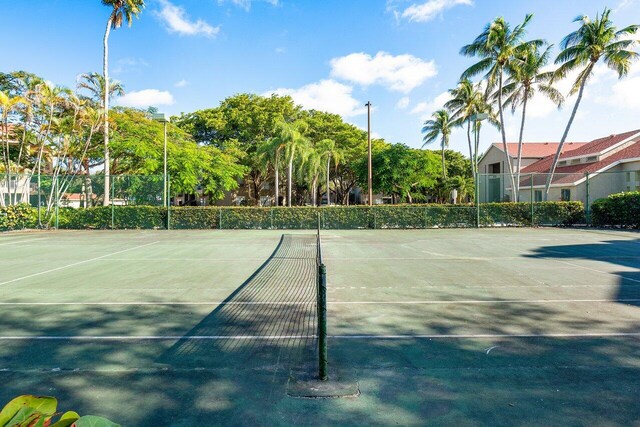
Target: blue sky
<point x="335" y="55"/>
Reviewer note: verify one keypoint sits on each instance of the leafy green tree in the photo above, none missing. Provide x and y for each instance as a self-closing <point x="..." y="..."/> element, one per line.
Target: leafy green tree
<point x="596" y="40"/>
<point x="121" y="11"/>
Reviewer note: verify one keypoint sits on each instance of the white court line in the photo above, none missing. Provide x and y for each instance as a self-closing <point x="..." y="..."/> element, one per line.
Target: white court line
<point x="593" y="269"/>
<point x="74" y="264"/>
<point x="210" y="303"/>
<point x="21" y="241"/>
<point x="278" y="337"/>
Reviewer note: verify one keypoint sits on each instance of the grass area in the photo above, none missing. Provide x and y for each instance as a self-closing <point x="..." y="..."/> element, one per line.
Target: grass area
<point x="206" y="327"/>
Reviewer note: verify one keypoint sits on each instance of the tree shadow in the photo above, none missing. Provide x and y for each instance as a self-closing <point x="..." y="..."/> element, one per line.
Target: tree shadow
<point x="625" y="253"/>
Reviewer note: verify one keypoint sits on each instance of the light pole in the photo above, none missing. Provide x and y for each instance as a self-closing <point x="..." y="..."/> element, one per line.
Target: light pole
<point x="164" y="119"/>
<point x="370" y="166"/>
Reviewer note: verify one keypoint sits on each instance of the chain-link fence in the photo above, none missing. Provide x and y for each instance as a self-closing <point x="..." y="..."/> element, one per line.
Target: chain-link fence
<point x="49" y="194"/>
<point x="535" y="188"/>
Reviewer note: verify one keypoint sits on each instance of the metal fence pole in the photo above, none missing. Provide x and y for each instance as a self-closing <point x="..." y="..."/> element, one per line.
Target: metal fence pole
<point x="57" y="199"/>
<point x="113" y="207"/>
<point x="271" y="214"/>
<point x="531" y="200"/>
<point x="168" y="202"/>
<point x="220" y="218"/>
<point x="587" y="208"/>
<point x="322" y="322"/>
<point x="477" y="200"/>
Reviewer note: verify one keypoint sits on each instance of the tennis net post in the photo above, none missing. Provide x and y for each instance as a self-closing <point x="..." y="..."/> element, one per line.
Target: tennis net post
<point x="322" y="311"/>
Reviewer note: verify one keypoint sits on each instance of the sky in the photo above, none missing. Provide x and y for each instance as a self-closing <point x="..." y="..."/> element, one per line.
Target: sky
<point x="331" y="55"/>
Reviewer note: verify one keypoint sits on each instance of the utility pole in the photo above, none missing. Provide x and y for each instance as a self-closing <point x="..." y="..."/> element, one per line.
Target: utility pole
<point x="370" y="173"/>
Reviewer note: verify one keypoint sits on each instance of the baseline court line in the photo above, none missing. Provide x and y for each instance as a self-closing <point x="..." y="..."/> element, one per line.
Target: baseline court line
<point x="160" y="303"/>
<point x="21" y="241"/>
<point x="276" y="337"/>
<point x="74" y="264"/>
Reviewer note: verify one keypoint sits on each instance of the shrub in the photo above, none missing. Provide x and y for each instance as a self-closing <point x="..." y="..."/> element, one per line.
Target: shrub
<point x="27" y="410"/>
<point x="18" y="217"/>
<point x="622" y="209"/>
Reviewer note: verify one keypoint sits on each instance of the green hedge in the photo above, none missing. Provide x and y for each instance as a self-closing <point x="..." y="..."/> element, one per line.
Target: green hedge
<point x="282" y="218"/>
<point x="18" y="217"/>
<point x="622" y="209"/>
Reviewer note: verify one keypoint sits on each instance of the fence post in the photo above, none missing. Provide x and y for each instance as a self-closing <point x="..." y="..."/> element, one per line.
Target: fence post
<point x="477" y="200"/>
<point x="220" y="218"/>
<point x="587" y="207"/>
<point x="168" y="202"/>
<point x="57" y="198"/>
<point x="39" y="200"/>
<point x="322" y="322"/>
<point x="113" y="207"/>
<point x="271" y="212"/>
<point x="531" y="193"/>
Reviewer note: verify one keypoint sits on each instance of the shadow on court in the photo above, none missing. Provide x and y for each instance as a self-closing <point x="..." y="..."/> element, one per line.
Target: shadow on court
<point x="624" y="253"/>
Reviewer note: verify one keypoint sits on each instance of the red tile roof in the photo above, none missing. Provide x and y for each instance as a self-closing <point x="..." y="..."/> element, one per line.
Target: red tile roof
<point x="601" y="144"/>
<point x="572" y="173"/>
<point x="537" y="149"/>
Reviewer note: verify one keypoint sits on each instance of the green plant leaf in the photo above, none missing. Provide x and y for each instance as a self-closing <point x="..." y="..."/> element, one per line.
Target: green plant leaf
<point x="67" y="419"/>
<point x="43" y="404"/>
<point x="94" y="421"/>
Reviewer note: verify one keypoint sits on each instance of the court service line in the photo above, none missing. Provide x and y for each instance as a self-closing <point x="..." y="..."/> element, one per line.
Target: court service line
<point x="249" y="303"/>
<point x="283" y="337"/>
<point x="74" y="264"/>
<point x="593" y="269"/>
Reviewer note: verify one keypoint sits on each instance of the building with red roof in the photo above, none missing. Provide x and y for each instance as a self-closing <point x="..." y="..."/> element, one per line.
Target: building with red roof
<point x="585" y="171"/>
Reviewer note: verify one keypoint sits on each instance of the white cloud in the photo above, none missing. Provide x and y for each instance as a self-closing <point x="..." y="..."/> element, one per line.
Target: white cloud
<point x="124" y="65"/>
<point x="625" y="93"/>
<point x="326" y="95"/>
<point x="177" y="21"/>
<point x="146" y="98"/>
<point x="246" y="4"/>
<point x="401" y="73"/>
<point x="403" y="103"/>
<point x="280" y="50"/>
<point x="426" y="109"/>
<point x="423" y="12"/>
<point x="182" y="83"/>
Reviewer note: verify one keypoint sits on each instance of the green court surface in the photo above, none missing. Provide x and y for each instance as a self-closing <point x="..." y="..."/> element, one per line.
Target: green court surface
<point x="440" y="327"/>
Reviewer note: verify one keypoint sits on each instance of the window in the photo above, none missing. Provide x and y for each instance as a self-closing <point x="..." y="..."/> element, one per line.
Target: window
<point x="565" y="195"/>
<point x="576" y="161"/>
<point x="592" y="159"/>
<point x="562" y="163"/>
<point x="629" y="186"/>
<point x="538" y="196"/>
<point x="637" y="180"/>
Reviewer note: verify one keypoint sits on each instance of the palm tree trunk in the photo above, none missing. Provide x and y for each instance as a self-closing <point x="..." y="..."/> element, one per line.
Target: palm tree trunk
<point x="277" y="179"/>
<point x="105" y="100"/>
<point x="566" y="131"/>
<point x="473" y="166"/>
<point x="503" y="132"/>
<point x="519" y="161"/>
<point x="289" y="180"/>
<point x="444" y="167"/>
<point x="328" y="187"/>
<point x="314" y="190"/>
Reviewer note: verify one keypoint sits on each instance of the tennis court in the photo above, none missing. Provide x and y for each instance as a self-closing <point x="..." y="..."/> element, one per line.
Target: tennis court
<point x="463" y="326"/>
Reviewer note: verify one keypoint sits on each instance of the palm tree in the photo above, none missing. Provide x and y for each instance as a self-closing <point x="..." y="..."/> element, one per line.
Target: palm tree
<point x="94" y="84"/>
<point x="466" y="100"/>
<point x="8" y="106"/>
<point x="294" y="144"/>
<point x="581" y="50"/>
<point x="121" y="10"/>
<point x="527" y="79"/>
<point x="328" y="148"/>
<point x="497" y="45"/>
<point x="439" y="126"/>
<point x="269" y="154"/>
